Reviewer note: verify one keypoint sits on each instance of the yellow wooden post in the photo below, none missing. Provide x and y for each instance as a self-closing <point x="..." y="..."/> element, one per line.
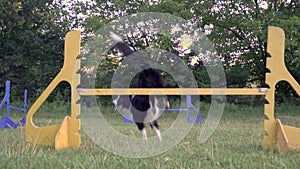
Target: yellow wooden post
<point x="278" y="72"/>
<point x="48" y="135"/>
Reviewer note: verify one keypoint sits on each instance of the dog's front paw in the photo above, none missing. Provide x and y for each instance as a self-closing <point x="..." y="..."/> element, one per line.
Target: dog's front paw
<point x="167" y="105"/>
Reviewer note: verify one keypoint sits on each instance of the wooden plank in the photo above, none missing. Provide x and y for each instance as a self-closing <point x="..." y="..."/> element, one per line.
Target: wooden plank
<point x="173" y="91"/>
<point x="293" y="137"/>
<point x="281" y="139"/>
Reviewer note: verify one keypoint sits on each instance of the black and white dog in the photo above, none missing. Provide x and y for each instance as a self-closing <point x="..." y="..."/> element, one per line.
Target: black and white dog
<point x="144" y="108"/>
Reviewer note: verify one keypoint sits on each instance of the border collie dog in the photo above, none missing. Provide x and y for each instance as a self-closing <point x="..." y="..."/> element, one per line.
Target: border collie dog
<point x="145" y="109"/>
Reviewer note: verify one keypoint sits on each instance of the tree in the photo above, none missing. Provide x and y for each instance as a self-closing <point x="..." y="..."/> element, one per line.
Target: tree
<point x="31" y="44"/>
<point x="238" y="29"/>
<point x="32" y="35"/>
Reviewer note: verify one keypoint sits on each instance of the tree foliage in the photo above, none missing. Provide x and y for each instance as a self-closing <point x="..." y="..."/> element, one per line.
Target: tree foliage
<point x="31" y="44"/>
<point x="238" y="30"/>
<point x="32" y="34"/>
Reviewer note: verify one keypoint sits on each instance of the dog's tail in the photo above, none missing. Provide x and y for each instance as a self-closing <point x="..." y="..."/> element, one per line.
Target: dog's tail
<point x="121" y="45"/>
<point x="115" y="37"/>
<point x="127" y="51"/>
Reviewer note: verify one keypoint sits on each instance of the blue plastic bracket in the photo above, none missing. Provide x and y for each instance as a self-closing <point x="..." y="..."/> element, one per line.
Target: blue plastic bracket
<point x="7" y="122"/>
<point x="189" y="118"/>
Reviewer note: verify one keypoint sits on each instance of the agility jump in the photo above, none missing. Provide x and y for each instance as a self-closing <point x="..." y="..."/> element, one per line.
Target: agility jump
<point x="278" y="136"/>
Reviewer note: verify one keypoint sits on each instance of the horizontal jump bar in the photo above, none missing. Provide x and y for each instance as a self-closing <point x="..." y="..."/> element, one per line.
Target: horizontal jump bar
<point x="173" y="91"/>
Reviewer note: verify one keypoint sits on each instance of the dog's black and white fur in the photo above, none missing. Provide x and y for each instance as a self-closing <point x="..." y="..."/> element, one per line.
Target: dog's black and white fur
<point x="144" y="108"/>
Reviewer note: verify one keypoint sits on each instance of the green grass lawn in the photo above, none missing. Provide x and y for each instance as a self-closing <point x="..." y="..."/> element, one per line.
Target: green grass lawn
<point x="236" y="143"/>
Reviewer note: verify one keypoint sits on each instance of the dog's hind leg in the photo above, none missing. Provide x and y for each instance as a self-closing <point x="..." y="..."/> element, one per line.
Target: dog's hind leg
<point x="154" y="126"/>
<point x="144" y="133"/>
<point x="157" y="132"/>
<point x="142" y="129"/>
